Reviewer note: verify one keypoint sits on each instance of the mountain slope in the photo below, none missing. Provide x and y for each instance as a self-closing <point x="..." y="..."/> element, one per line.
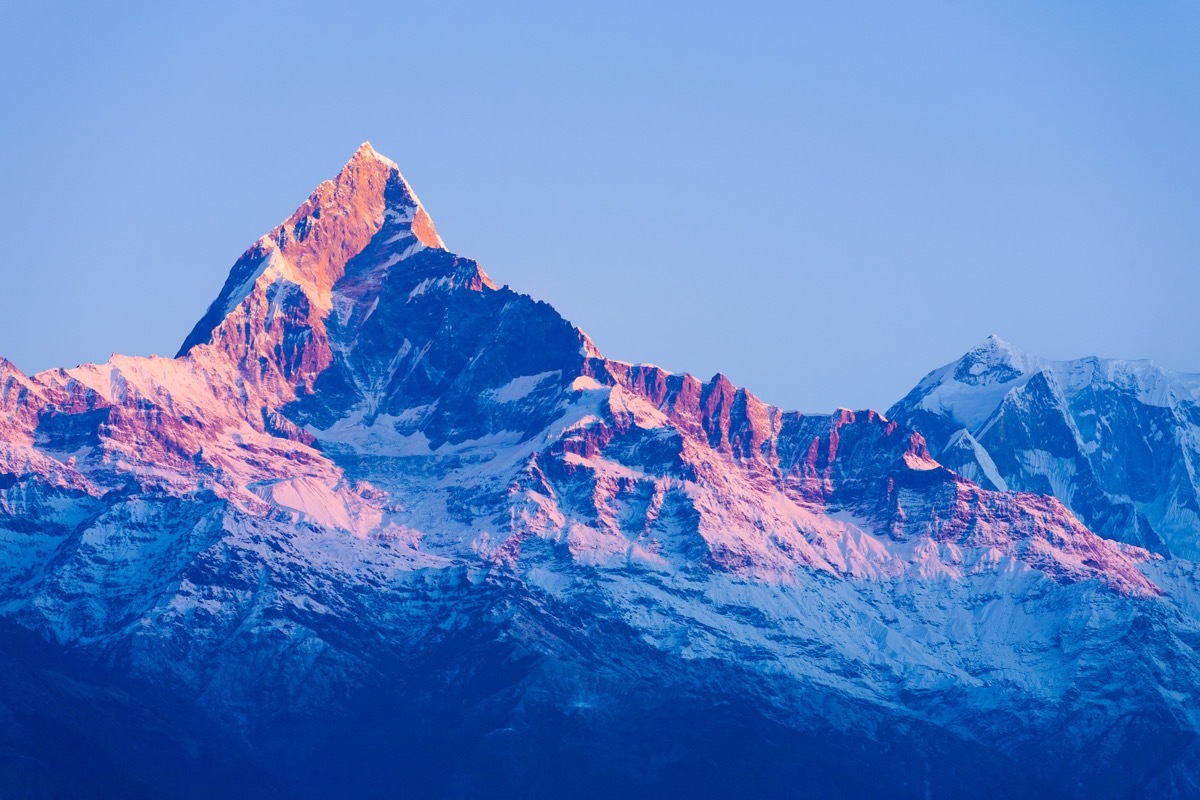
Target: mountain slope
<point x="375" y="493"/>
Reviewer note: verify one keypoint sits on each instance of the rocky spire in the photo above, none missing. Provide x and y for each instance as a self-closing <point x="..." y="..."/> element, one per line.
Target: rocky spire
<point x="311" y="248"/>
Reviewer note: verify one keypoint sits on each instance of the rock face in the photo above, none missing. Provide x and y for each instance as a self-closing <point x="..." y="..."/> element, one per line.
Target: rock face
<point x="382" y="523"/>
<point x="1118" y="442"/>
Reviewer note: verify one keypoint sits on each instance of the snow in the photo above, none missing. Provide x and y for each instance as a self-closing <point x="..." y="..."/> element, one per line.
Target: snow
<point x="408" y="252"/>
<point x="380" y="435"/>
<point x="242" y="290"/>
<point x="521" y="387"/>
<point x="402" y="215"/>
<point x="428" y="284"/>
<point x="313" y="499"/>
<point x="919" y="463"/>
<point x="970" y="405"/>
<point x="1112" y="410"/>
<point x="365" y="150"/>
<point x="982" y="457"/>
<point x="967" y="405"/>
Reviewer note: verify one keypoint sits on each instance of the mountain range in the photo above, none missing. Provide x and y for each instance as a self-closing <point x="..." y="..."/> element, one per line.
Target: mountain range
<point x="383" y="526"/>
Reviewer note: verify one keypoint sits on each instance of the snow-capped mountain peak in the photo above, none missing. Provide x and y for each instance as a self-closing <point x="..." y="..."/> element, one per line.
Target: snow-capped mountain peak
<point x="1117" y="440"/>
<point x="993" y="361"/>
<point x="969" y="389"/>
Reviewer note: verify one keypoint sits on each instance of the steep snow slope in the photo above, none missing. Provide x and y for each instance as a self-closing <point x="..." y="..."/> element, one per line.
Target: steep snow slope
<point x="1117" y="441"/>
<point x="371" y="472"/>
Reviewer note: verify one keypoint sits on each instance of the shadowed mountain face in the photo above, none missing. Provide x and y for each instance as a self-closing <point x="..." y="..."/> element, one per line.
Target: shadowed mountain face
<point x="382" y="526"/>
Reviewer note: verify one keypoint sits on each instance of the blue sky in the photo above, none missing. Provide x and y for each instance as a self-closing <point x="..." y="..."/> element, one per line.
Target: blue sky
<point x="823" y="201"/>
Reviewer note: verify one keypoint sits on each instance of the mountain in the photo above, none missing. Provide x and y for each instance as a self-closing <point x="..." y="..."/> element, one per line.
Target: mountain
<point x="383" y="526"/>
<point x="1118" y="442"/>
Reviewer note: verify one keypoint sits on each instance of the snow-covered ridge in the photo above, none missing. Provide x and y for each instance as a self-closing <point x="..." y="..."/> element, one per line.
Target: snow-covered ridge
<point x="971" y="388"/>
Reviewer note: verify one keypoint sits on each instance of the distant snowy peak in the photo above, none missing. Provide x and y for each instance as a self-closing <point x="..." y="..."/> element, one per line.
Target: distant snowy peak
<point x="993" y="361"/>
<point x="1117" y="441"/>
<point x="970" y="389"/>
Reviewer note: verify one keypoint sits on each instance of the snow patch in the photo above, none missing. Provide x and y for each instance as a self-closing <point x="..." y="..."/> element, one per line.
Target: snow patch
<point x="521" y="387"/>
<point x="313" y="499"/>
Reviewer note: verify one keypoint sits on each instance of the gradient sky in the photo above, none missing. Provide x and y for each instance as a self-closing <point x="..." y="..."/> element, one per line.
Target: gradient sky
<point x="823" y="201"/>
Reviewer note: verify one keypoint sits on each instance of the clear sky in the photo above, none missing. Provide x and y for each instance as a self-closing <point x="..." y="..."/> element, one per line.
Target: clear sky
<point x="823" y="201"/>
